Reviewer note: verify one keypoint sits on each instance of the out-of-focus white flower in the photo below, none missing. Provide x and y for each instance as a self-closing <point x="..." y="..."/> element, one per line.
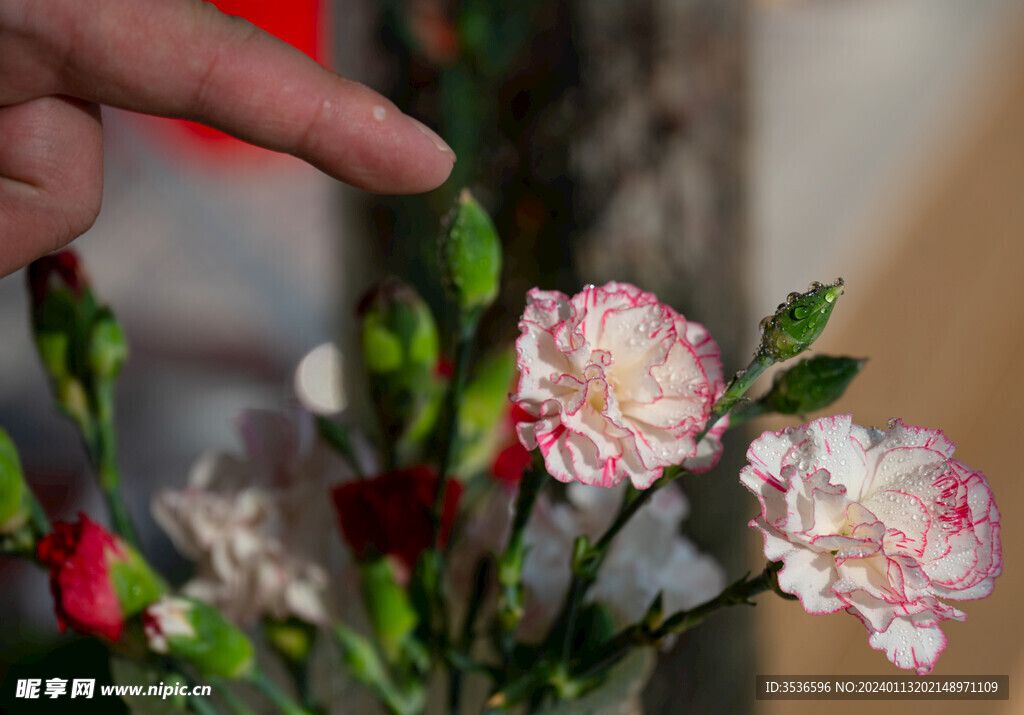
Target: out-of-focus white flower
<point x="647" y="557"/>
<point x="882" y="524"/>
<point x="254" y="525"/>
<point x="618" y="385"/>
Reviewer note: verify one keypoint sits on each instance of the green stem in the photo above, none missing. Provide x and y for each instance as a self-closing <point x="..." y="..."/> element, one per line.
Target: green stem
<point x="637" y="635"/>
<point x="737" y="387"/>
<point x="465" y="645"/>
<point x="510" y="568"/>
<point x="449" y="440"/>
<point x="104" y="457"/>
<point x="277" y="696"/>
<point x="586" y="574"/>
<point x="201" y="706"/>
<point x="36" y="515"/>
<point x="234" y="703"/>
<point x="450" y="428"/>
<point x="584" y="577"/>
<point x="641" y="634"/>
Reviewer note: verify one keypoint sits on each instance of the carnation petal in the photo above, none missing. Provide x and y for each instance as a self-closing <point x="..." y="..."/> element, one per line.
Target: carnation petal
<point x="908" y="646"/>
<point x="808" y="576"/>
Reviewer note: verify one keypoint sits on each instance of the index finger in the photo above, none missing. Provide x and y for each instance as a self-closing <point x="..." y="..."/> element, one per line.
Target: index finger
<point x="183" y="58"/>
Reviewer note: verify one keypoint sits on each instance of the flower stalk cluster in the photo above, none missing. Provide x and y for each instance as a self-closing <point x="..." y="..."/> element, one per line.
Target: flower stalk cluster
<point x="555" y="512"/>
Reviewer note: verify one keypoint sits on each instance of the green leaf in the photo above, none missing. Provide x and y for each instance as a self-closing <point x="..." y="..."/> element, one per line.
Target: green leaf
<point x="484" y="405"/>
<point x="387" y="604"/>
<point x="812" y="384"/>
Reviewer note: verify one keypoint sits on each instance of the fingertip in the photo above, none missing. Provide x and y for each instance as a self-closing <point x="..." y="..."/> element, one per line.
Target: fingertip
<point x="51" y="177"/>
<point x="366" y="141"/>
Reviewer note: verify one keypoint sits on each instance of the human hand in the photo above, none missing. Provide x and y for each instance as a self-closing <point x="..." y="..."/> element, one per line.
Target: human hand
<point x="60" y="59"/>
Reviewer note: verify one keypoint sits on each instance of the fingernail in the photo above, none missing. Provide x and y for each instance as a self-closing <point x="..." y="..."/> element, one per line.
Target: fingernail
<point x="432" y="136"/>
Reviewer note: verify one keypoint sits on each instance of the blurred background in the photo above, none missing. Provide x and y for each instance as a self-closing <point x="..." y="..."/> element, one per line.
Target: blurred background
<point x="719" y="153"/>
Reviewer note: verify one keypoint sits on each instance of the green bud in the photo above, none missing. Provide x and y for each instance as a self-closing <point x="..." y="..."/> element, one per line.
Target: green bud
<point x="196" y="632"/>
<point x="471" y="256"/>
<point x="811" y="384"/>
<point x="387" y="604"/>
<point x="14" y="510"/>
<point x="400" y="349"/>
<point x="292" y="638"/>
<point x="799" y="321"/>
<point x="62" y="312"/>
<point x="107" y="348"/>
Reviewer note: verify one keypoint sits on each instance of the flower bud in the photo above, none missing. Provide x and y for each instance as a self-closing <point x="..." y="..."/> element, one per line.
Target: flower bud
<point x="195" y="631"/>
<point x="14" y="511"/>
<point x="799" y="321"/>
<point x="107" y="347"/>
<point x="292" y="638"/>
<point x="97" y="579"/>
<point x="57" y="272"/>
<point x="811" y="384"/>
<point x="80" y="343"/>
<point x="471" y="257"/>
<point x="400" y="349"/>
<point x="62" y="311"/>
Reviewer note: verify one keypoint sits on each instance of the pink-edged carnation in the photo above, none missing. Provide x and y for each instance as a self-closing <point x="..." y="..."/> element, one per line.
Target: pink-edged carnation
<point x="882" y="524"/>
<point x="616" y="385"/>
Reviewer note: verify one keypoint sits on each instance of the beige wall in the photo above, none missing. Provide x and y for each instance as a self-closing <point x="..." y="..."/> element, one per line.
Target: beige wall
<point x="942" y="321"/>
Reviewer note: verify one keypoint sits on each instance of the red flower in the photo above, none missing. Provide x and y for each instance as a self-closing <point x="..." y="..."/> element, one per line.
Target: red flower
<point x="79" y="558"/>
<point x="510" y="463"/>
<point x="390" y="514"/>
<point x="53" y="271"/>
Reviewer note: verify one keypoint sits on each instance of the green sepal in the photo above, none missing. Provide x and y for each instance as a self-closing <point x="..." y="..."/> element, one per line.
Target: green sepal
<point x="108" y="349"/>
<point x="134" y="582"/>
<point x="14" y="508"/>
<point x="207" y="640"/>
